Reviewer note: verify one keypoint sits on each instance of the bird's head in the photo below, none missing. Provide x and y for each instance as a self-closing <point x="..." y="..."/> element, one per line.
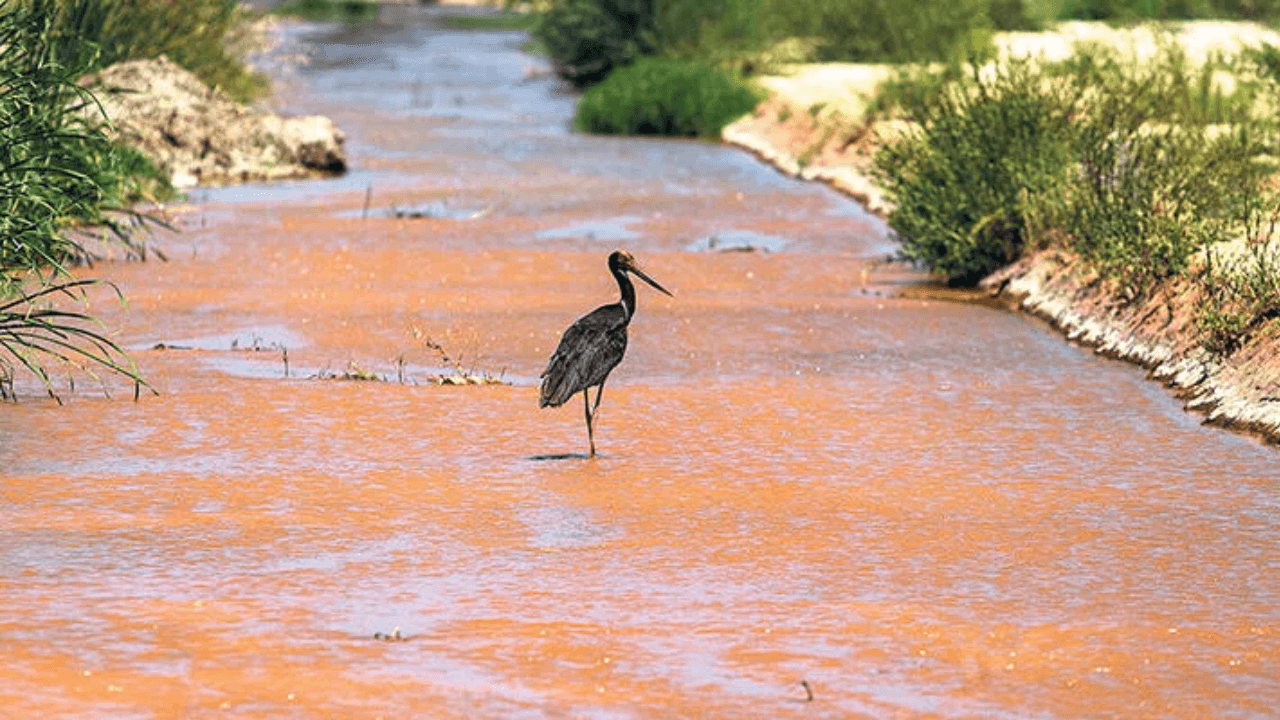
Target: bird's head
<point x="623" y="261"/>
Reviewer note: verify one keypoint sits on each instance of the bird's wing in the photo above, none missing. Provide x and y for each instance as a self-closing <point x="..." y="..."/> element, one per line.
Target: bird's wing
<point x="588" y="351"/>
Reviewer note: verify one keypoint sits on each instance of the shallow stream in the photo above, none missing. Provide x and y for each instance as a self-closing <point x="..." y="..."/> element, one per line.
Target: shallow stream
<point x="920" y="509"/>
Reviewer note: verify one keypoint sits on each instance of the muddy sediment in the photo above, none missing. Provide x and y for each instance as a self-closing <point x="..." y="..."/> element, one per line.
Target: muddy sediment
<point x="920" y="509"/>
<point x="1241" y="392"/>
<point x="807" y="130"/>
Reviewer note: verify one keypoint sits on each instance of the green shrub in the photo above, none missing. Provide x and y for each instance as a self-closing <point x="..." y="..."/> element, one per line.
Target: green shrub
<point x="57" y="172"/>
<point x="1135" y="10"/>
<point x="1149" y="197"/>
<point x="876" y="31"/>
<point x="207" y="37"/>
<point x="322" y="10"/>
<point x="987" y="149"/>
<point x="587" y="39"/>
<point x="1122" y="163"/>
<point x="1167" y="165"/>
<point x="1240" y="293"/>
<point x="664" y="97"/>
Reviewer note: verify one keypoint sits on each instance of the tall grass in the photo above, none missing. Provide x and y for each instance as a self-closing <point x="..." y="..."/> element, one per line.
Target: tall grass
<point x="877" y="31"/>
<point x="207" y="37"/>
<point x="322" y="10"/>
<point x="35" y="330"/>
<point x="57" y="172"/>
<point x="664" y="97"/>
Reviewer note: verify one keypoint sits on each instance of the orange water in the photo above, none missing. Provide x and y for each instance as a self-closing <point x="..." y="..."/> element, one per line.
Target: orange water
<point x="921" y="509"/>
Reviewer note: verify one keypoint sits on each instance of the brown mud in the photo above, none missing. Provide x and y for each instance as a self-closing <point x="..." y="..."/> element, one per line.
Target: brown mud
<point x="922" y="509"/>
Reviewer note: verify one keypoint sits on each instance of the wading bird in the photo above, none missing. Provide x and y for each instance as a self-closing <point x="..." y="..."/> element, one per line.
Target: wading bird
<point x="593" y="346"/>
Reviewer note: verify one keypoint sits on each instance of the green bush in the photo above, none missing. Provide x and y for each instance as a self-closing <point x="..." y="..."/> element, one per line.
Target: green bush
<point x="1121" y="163"/>
<point x="987" y="150"/>
<point x="1240" y="293"/>
<point x="876" y="31"/>
<point x="1167" y="165"/>
<point x="321" y="10"/>
<point x="57" y="172"/>
<point x="664" y="97"/>
<point x="587" y="39"/>
<point x="207" y="37"/>
<point x="1135" y="10"/>
<point x="1147" y="197"/>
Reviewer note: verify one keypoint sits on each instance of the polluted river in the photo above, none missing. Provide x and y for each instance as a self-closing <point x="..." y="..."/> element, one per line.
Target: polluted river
<point x="814" y="496"/>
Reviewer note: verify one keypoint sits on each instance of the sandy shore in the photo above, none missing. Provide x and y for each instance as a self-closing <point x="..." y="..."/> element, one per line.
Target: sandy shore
<point x="804" y="129"/>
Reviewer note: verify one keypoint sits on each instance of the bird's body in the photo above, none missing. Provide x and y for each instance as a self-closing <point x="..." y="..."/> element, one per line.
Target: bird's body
<point x="594" y="345"/>
<point x="589" y="350"/>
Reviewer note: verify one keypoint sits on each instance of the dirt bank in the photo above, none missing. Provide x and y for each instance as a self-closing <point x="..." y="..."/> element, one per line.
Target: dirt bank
<point x="199" y="136"/>
<point x="807" y="128"/>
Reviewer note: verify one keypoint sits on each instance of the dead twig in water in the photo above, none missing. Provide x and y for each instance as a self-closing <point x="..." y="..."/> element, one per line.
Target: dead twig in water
<point x="808" y="691"/>
<point x="394" y="636"/>
<point x="461" y="374"/>
<point x="353" y="373"/>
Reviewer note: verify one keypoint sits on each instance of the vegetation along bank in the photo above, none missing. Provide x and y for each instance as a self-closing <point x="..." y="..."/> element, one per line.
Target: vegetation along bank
<point x="1118" y="181"/>
<point x="105" y="107"/>
<point x="1123" y="191"/>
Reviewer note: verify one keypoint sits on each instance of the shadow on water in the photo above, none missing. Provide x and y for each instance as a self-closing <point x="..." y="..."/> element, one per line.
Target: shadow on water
<point x="561" y="456"/>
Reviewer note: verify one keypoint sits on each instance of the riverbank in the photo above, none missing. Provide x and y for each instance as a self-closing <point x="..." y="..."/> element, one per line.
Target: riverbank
<point x="197" y="135"/>
<point x="810" y="127"/>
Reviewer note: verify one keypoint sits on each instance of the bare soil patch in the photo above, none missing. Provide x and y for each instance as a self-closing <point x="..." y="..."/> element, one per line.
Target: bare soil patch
<point x="199" y="136"/>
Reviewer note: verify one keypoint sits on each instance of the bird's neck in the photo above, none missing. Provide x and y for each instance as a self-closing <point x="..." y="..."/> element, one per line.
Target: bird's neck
<point x="628" y="291"/>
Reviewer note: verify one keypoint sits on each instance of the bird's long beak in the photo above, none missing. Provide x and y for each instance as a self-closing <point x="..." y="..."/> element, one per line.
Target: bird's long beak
<point x="640" y="274"/>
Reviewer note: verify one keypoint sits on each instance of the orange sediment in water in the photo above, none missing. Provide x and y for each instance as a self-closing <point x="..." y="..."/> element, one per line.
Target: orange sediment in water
<point x="920" y="508"/>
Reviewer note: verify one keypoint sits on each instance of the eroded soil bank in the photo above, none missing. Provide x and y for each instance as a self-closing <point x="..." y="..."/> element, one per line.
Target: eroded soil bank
<point x="922" y="509"/>
<point x="808" y="129"/>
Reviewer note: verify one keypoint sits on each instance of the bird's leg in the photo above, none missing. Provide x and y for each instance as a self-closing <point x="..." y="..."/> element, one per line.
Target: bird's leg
<point x="599" y="394"/>
<point x="586" y="405"/>
<point x="591" y="415"/>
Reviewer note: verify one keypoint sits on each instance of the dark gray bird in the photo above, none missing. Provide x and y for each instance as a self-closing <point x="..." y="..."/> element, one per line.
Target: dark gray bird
<point x="593" y="346"/>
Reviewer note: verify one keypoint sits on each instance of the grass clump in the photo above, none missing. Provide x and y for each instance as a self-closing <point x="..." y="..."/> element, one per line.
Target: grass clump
<point x="1240" y="294"/>
<point x="329" y="10"/>
<point x="500" y="21"/>
<point x="58" y="173"/>
<point x="664" y="97"/>
<point x="875" y="31"/>
<point x="987" y="151"/>
<point x="587" y="39"/>
<point x="57" y="168"/>
<point x="1129" y="166"/>
<point x="210" y="38"/>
